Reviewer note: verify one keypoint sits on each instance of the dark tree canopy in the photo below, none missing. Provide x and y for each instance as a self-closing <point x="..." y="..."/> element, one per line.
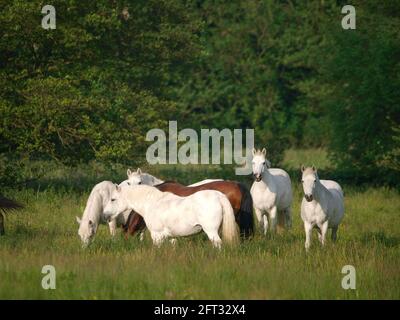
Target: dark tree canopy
<point x="111" y="70"/>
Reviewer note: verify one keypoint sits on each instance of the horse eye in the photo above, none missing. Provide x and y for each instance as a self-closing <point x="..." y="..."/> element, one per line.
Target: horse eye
<point x="140" y="182"/>
<point x="112" y="200"/>
<point x="129" y="183"/>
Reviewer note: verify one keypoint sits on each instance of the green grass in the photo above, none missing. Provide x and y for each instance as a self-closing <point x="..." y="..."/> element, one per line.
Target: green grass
<point x="272" y="267"/>
<point x="294" y="158"/>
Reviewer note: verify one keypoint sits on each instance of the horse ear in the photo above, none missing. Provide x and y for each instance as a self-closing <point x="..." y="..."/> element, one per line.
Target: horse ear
<point x="78" y="220"/>
<point x="139" y="171"/>
<point x="128" y="172"/>
<point x="253" y="152"/>
<point x="264" y="151"/>
<point x="302" y="168"/>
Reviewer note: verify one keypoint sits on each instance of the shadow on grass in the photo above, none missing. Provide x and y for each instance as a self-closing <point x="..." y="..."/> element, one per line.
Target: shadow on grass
<point x="381" y="238"/>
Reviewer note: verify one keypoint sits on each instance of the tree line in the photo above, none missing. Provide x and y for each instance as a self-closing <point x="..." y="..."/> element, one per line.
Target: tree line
<point x="112" y="70"/>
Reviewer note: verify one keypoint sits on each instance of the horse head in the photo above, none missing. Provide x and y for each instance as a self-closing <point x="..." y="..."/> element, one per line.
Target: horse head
<point x="259" y="163"/>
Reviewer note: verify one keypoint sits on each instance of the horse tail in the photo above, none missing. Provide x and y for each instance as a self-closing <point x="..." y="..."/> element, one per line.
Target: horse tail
<point x="230" y="232"/>
<point x="246" y="220"/>
<point x="8" y="204"/>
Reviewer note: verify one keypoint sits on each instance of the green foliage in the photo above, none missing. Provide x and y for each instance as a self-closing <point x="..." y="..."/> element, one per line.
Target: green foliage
<point x="361" y="68"/>
<point x="258" y="69"/>
<point x="92" y="88"/>
<point x="95" y="85"/>
<point x="290" y="71"/>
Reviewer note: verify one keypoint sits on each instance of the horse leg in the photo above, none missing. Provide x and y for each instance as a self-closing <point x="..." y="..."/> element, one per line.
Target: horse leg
<point x="214" y="237"/>
<point x="319" y="233"/>
<point x="288" y="218"/>
<point x="158" y="238"/>
<point x="334" y="233"/>
<point x="2" y="231"/>
<point x="273" y="217"/>
<point x="113" y="227"/>
<point x="259" y="216"/>
<point x="265" y="220"/>
<point x="308" y="229"/>
<point x="324" y="229"/>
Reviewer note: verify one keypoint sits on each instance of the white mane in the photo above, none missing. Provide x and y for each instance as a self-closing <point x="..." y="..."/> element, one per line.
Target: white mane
<point x="93" y="213"/>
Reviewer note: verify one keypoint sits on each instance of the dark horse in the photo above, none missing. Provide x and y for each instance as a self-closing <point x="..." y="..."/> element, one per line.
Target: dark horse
<point x="236" y="192"/>
<point x="5" y="205"/>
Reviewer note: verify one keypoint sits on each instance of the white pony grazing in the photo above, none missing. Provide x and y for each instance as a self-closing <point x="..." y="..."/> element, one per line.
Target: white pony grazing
<point x="168" y="215"/>
<point x="93" y="214"/>
<point x="138" y="177"/>
<point x="271" y="192"/>
<point x="322" y="206"/>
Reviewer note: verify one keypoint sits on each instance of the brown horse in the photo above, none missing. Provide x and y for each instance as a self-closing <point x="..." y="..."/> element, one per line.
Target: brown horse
<point x="5" y="205"/>
<point x="236" y="192"/>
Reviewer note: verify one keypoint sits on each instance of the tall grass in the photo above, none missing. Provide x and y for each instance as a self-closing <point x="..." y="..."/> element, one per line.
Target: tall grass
<point x="272" y="267"/>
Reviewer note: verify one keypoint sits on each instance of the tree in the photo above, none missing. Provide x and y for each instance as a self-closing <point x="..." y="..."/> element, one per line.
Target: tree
<point x="92" y="87"/>
<point x="361" y="69"/>
<point x="258" y="70"/>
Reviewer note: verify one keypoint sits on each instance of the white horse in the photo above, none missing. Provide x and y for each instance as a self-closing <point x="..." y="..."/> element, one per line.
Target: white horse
<point x="271" y="192"/>
<point x="168" y="215"/>
<point x="322" y="206"/>
<point x="93" y="214"/>
<point x="138" y="177"/>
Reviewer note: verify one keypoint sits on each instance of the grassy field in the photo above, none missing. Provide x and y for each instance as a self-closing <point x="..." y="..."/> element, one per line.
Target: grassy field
<point x="272" y="267"/>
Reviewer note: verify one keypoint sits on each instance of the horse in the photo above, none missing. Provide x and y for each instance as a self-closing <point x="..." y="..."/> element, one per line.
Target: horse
<point x="322" y="205"/>
<point x="93" y="213"/>
<point x="139" y="177"/>
<point x="237" y="193"/>
<point x="271" y="192"/>
<point x="168" y="215"/>
<point x="5" y="206"/>
<point x="135" y="223"/>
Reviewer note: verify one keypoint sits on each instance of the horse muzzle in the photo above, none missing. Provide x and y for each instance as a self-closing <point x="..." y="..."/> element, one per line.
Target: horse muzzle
<point x="308" y="197"/>
<point x="258" y="177"/>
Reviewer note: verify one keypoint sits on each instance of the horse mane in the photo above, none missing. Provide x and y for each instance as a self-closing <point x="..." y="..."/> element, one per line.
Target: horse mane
<point x="8" y="204"/>
<point x="165" y="182"/>
<point x="94" y="203"/>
